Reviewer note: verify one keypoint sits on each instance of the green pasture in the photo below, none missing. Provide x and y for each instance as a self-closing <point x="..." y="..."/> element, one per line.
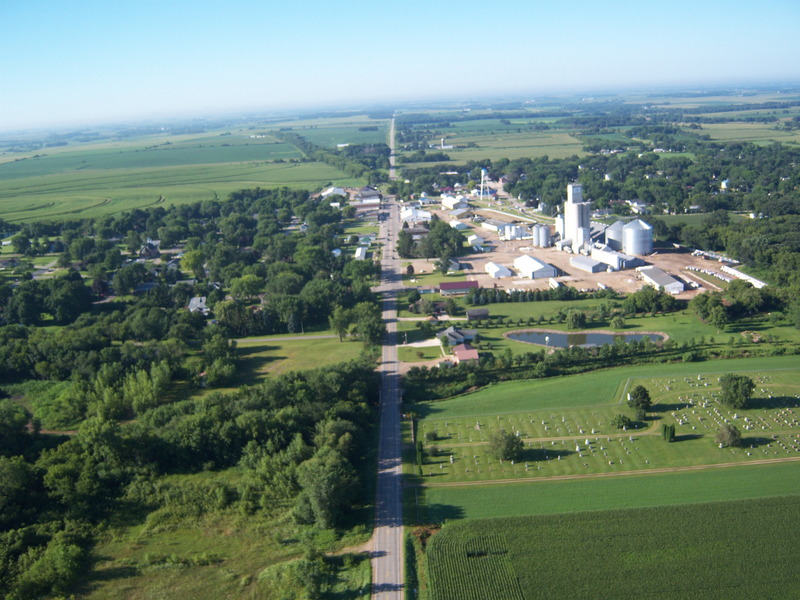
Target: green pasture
<point x="437" y="504"/>
<point x="96" y="192"/>
<point x="739" y="549"/>
<point x="272" y="356"/>
<point x="553" y="143"/>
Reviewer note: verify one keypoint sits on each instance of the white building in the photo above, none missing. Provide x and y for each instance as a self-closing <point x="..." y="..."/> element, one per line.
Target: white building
<point x="494" y="225"/>
<point x="453" y="203"/>
<point x="515" y="232"/>
<point x="660" y="280"/>
<point x="361" y="253"/>
<point x="532" y="268"/>
<point x="584" y="263"/>
<point x="414" y="215"/>
<point x="475" y="240"/>
<point x="497" y="271"/>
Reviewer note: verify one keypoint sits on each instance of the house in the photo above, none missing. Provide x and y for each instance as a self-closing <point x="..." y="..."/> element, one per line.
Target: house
<point x="458" y="225"/>
<point x="149" y="250"/>
<point x="477" y="314"/>
<point x="497" y="271"/>
<point x="198" y="305"/>
<point x="417" y="233"/>
<point x="532" y="268"/>
<point x="367" y="195"/>
<point x="452" y="288"/>
<point x="455" y="335"/>
<point x="464" y="353"/>
<point x="361" y="253"/>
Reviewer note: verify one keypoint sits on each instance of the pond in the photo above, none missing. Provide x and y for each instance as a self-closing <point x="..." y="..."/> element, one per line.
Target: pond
<point x="560" y="339"/>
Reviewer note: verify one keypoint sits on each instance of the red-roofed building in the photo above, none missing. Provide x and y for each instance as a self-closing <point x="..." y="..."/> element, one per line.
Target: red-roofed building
<point x="451" y="288"/>
<point x="465" y="353"/>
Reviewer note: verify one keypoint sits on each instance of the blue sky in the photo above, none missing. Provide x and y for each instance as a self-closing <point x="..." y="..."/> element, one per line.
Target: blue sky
<point x="73" y="62"/>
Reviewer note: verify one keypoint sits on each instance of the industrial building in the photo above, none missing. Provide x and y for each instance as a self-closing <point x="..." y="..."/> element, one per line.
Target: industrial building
<point x="584" y="263"/>
<point x="458" y="225"/>
<point x="514" y="232"/>
<point x="493" y="225"/>
<point x="616" y="260"/>
<point x="452" y="288"/>
<point x="529" y="267"/>
<point x="475" y="240"/>
<point x="577" y="220"/>
<point x="451" y="203"/>
<point x="660" y="280"/>
<point x="497" y="271"/>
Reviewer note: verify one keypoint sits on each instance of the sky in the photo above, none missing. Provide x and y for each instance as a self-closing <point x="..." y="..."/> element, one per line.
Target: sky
<point x="78" y="62"/>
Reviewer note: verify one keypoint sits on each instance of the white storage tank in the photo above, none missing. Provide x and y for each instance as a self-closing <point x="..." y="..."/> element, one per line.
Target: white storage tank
<point x="637" y="238"/>
<point x="536" y="230"/>
<point x="614" y="235"/>
<point x="545" y="237"/>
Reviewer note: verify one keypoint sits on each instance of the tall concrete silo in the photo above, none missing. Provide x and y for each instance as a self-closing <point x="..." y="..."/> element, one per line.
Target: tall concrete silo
<point x="544" y="237"/>
<point x="535" y="230"/>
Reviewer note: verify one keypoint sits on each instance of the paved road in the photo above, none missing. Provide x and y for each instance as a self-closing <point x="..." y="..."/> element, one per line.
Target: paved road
<point x="387" y="539"/>
<point x="392" y="172"/>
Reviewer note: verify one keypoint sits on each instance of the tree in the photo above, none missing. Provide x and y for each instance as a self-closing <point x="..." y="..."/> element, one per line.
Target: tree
<point x="410" y="270"/>
<point x="718" y="317"/>
<point x="505" y="445"/>
<point x="736" y="390"/>
<point x="640" y="398"/>
<point x="618" y="322"/>
<point x="728" y="435"/>
<point x="21" y="243"/>
<point x="576" y="319"/>
<point x="621" y="422"/>
<point x="328" y="482"/>
<point x="246" y="287"/>
<point x="340" y="320"/>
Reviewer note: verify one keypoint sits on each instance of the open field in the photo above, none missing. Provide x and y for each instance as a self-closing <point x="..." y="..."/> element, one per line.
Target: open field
<point x="741" y="549"/>
<point x="759" y="133"/>
<point x="264" y="358"/>
<point x="574" y="437"/>
<point x="182" y="552"/>
<point x="605" y="493"/>
<point x="109" y="177"/>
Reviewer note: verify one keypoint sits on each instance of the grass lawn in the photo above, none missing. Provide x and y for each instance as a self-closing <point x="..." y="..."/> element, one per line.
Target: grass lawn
<point x="741" y="549"/>
<point x="262" y="359"/>
<point x="419" y="354"/>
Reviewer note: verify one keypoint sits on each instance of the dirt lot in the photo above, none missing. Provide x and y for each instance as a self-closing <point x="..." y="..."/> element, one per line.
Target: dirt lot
<point x="673" y="261"/>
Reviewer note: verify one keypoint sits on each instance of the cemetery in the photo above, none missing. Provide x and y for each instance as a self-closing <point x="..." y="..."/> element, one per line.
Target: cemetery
<point x="581" y="441"/>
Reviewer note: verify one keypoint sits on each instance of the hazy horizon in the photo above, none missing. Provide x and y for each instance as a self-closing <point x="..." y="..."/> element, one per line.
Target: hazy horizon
<point x="80" y="64"/>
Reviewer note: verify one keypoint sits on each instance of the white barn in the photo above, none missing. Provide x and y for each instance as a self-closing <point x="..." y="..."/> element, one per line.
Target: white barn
<point x="497" y="271"/>
<point x="532" y="268"/>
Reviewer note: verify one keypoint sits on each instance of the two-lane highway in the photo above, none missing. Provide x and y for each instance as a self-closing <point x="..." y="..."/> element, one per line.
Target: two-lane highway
<point x="387" y="539"/>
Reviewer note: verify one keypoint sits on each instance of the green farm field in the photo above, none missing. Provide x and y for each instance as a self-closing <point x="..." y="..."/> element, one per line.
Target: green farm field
<point x="437" y="504"/>
<point x="739" y="549"/>
<point x="91" y="180"/>
<point x="759" y="133"/>
<point x="565" y="424"/>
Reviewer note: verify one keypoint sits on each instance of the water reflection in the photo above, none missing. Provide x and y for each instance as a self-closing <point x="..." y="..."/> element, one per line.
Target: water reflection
<point x="559" y="339"/>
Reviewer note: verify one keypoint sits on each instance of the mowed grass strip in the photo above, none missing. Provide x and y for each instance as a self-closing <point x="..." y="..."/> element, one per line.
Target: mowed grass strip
<point x="636" y="491"/>
<point x="261" y="359"/>
<point x="727" y="550"/>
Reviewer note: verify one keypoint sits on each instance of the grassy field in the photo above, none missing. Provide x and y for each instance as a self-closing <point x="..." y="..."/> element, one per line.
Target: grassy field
<point x="759" y="133"/>
<point x="606" y="493"/>
<point x="110" y="177"/>
<point x="221" y="554"/>
<point x="565" y="424"/>
<point x="264" y="358"/>
<point x="741" y="549"/>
